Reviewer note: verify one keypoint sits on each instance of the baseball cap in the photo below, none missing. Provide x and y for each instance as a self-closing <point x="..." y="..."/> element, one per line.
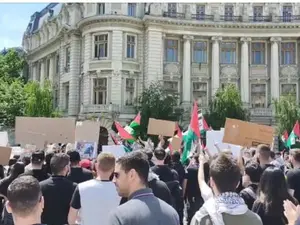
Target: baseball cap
<point x="85" y="163"/>
<point x="37" y="157"/>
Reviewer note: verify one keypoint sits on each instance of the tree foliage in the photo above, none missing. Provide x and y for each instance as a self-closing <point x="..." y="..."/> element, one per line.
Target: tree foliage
<point x="155" y="102"/>
<point x="286" y="113"/>
<point x="227" y="103"/>
<point x="11" y="65"/>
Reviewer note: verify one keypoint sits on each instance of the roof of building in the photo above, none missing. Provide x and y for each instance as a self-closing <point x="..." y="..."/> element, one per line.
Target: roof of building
<point x="38" y="18"/>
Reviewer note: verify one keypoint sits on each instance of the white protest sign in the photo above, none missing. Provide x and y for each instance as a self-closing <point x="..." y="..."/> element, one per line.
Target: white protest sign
<point x="3" y="138"/>
<point x="215" y="137"/>
<point x="117" y="150"/>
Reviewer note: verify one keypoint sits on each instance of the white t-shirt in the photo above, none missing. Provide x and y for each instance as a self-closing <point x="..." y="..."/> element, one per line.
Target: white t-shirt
<point x="95" y="199"/>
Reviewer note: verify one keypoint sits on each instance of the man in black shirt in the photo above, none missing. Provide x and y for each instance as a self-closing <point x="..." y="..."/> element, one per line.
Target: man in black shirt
<point x="57" y="191"/>
<point x="263" y="153"/>
<point x="77" y="173"/>
<point x="293" y="175"/>
<point x="25" y="201"/>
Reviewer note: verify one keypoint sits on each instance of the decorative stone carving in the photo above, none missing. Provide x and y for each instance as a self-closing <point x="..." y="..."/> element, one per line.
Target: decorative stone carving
<point x="245" y="39"/>
<point x="116" y="73"/>
<point x="229" y="71"/>
<point x="171" y="68"/>
<point x="216" y="39"/>
<point x="155" y="9"/>
<point x="275" y="39"/>
<point x="289" y="71"/>
<point x="188" y="37"/>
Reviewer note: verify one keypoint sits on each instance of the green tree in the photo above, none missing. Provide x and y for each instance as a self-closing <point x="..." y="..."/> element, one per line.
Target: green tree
<point x="12" y="101"/>
<point x="287" y="113"/>
<point x="155" y="102"/>
<point x="11" y="65"/>
<point x="227" y="103"/>
<point x="39" y="100"/>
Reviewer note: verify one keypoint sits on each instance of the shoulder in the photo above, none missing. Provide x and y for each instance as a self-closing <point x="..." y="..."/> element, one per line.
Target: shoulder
<point x="86" y="171"/>
<point x="253" y="217"/>
<point x="46" y="182"/>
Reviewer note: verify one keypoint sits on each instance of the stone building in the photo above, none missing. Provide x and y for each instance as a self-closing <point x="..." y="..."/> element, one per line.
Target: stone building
<point x="100" y="56"/>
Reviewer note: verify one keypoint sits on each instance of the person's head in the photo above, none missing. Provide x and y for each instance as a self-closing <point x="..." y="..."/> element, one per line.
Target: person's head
<point x="17" y="169"/>
<point x="12" y="161"/>
<point x="252" y="173"/>
<point x="160" y="154"/>
<point x="131" y="173"/>
<point x="85" y="163"/>
<point x="227" y="151"/>
<point x="149" y="154"/>
<point x="224" y="173"/>
<point x="25" y="200"/>
<point x="176" y="157"/>
<point x="264" y="153"/>
<point x="60" y="164"/>
<point x="17" y="157"/>
<point x="26" y="159"/>
<point x="295" y="157"/>
<point x="105" y="164"/>
<point x="273" y="189"/>
<point x="74" y="157"/>
<point x="48" y="157"/>
<point x="37" y="159"/>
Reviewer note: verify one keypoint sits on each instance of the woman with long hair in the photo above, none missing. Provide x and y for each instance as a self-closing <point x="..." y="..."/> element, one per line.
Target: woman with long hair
<point x="272" y="192"/>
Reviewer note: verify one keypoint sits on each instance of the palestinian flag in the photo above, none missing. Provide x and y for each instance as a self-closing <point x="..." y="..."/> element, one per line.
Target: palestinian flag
<point x="202" y="124"/>
<point x="284" y="137"/>
<point x="192" y="135"/>
<point x="123" y="133"/>
<point x="294" y="135"/>
<point x="179" y="132"/>
<point x="134" y="127"/>
<point x="115" y="140"/>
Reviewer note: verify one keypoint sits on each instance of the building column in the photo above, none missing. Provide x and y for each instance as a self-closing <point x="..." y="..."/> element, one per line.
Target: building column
<point x="42" y="75"/>
<point x="215" y="65"/>
<point x="51" y="69"/>
<point x="61" y="73"/>
<point x="34" y="71"/>
<point x="275" y="88"/>
<point x="245" y="86"/>
<point x="87" y="98"/>
<point x="186" y="78"/>
<point x="74" y="90"/>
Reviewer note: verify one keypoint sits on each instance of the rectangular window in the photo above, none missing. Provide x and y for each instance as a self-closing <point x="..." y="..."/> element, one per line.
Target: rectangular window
<point x="56" y="98"/>
<point x="68" y="58"/>
<point x="228" y="52"/>
<point x="288" y="53"/>
<point x="171" y="50"/>
<point x="57" y="64"/>
<point x="132" y="9"/>
<point x="287" y="13"/>
<point x="228" y="13"/>
<point x="101" y="46"/>
<point x="200" y="93"/>
<point x="257" y="13"/>
<point x="101" y="8"/>
<point x="200" y="12"/>
<point x="200" y="52"/>
<point x="130" y="84"/>
<point x="258" y="51"/>
<point x="100" y="91"/>
<point x="287" y="89"/>
<point x="172" y="9"/>
<point x="258" y="95"/>
<point x="171" y="87"/>
<point x="130" y="52"/>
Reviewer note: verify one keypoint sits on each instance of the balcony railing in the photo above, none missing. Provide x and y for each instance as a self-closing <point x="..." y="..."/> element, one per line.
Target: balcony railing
<point x="259" y="19"/>
<point x="174" y="15"/>
<point x="288" y="19"/>
<point x="202" y="17"/>
<point x="231" y="18"/>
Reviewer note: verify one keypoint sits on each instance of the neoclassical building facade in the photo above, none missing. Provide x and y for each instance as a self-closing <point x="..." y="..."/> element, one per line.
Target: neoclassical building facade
<point x="100" y="56"/>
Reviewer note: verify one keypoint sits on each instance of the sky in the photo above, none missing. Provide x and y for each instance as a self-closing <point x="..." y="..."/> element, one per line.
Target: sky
<point x="14" y="18"/>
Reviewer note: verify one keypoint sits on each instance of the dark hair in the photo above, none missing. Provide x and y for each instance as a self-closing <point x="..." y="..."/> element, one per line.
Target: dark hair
<point x="272" y="155"/>
<point x="273" y="190"/>
<point x="264" y="151"/>
<point x="225" y="172"/>
<point x="176" y="157"/>
<point x="26" y="159"/>
<point x="23" y="194"/>
<point x="149" y="153"/>
<point x="12" y="161"/>
<point x="254" y="171"/>
<point x="58" y="162"/>
<point x="38" y="157"/>
<point x="17" y="169"/>
<point x="138" y="161"/>
<point x="160" y="153"/>
<point x="74" y="156"/>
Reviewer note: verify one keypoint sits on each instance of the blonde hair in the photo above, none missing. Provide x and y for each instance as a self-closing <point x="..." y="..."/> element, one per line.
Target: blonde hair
<point x="106" y="161"/>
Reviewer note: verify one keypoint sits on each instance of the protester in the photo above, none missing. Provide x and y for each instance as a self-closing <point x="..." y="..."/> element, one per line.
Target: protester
<point x="48" y="157"/>
<point x="25" y="201"/>
<point x="178" y="167"/>
<point x="89" y="194"/>
<point x="227" y="207"/>
<point x="293" y="175"/>
<point x="263" y="153"/>
<point x="272" y="193"/>
<point x="57" y="191"/>
<point x="77" y="173"/>
<point x="292" y="213"/>
<point x="130" y="177"/>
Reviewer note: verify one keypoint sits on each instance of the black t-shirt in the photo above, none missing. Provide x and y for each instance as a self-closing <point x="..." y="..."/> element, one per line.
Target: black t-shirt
<point x="79" y="175"/>
<point x="192" y="186"/>
<point x="57" y="192"/>
<point x="178" y="167"/>
<point x="40" y="175"/>
<point x="265" y="166"/>
<point x="165" y="173"/>
<point x="293" y="180"/>
<point x="249" y="196"/>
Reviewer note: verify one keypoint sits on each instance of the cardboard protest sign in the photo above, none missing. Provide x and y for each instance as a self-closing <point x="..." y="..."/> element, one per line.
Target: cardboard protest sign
<point x="117" y="150"/>
<point x="247" y="134"/>
<point x="216" y="137"/>
<point x="87" y="131"/>
<point x="176" y="143"/>
<point x="40" y="130"/>
<point x="5" y="153"/>
<point x="161" y="127"/>
<point x="3" y="138"/>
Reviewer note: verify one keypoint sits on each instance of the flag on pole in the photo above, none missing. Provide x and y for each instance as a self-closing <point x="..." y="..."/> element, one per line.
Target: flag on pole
<point x="123" y="133"/>
<point x="179" y="132"/>
<point x="116" y="142"/>
<point x="192" y="134"/>
<point x="294" y="135"/>
<point x="284" y="137"/>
